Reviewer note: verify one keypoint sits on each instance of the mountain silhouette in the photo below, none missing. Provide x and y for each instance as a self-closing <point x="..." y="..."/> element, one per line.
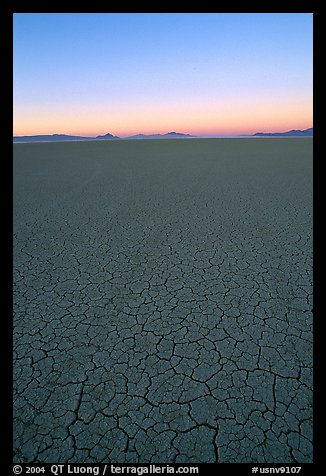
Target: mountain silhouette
<point x="108" y="136"/>
<point x="168" y="135"/>
<point x="50" y="138"/>
<point x="293" y="133"/>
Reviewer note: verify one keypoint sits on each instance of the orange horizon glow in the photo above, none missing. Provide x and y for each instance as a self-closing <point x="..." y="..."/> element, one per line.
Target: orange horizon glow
<point x="207" y="133"/>
<point x="302" y="125"/>
<point x="196" y="119"/>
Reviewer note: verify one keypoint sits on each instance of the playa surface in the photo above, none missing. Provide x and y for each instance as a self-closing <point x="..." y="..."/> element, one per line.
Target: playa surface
<point x="163" y="301"/>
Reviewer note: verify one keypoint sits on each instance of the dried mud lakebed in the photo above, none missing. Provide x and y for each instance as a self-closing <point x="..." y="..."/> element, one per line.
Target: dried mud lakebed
<point x="162" y="301"/>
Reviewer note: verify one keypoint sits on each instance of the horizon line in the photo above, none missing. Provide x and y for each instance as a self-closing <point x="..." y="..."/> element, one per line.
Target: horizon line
<point x="217" y="134"/>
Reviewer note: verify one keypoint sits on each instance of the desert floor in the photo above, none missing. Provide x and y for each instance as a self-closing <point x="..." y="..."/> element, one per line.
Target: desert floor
<point x="163" y="301"/>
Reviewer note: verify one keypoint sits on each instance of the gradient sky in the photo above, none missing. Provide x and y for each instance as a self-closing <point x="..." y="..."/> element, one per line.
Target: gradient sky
<point x="203" y="74"/>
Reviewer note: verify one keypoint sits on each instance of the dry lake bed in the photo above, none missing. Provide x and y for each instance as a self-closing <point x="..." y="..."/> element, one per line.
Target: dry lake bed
<point x="163" y="301"/>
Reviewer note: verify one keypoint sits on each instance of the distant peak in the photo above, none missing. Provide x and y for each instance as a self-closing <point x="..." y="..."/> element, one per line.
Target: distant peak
<point x="179" y="134"/>
<point x="168" y="135"/>
<point x="107" y="136"/>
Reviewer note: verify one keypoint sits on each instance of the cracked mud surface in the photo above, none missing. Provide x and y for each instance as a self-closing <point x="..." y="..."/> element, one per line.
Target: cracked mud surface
<point x="162" y="301"/>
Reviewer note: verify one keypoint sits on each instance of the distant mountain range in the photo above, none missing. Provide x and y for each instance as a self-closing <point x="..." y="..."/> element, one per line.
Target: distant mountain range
<point x="293" y="133"/>
<point x="60" y="138"/>
<point x="169" y="135"/>
<point x="65" y="137"/>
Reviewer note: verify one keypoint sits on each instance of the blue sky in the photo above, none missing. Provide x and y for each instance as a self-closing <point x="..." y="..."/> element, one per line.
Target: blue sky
<point x="204" y="74"/>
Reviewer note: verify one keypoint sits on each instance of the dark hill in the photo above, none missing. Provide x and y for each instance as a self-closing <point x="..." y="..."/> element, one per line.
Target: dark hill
<point x="292" y="133"/>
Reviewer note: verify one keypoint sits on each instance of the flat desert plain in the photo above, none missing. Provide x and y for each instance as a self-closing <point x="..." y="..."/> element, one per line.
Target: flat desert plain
<point x="163" y="301"/>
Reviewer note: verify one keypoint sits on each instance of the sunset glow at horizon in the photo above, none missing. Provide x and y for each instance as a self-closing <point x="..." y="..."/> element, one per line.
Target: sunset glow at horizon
<point x="124" y="74"/>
